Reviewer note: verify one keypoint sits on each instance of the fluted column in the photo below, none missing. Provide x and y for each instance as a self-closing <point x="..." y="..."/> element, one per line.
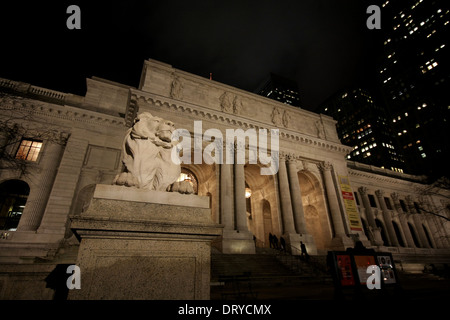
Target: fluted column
<point x="285" y="198"/>
<point x="226" y="197"/>
<point x="403" y="221"/>
<point x="333" y="203"/>
<point x="40" y="192"/>
<point x="387" y="219"/>
<point x="376" y="235"/>
<point x="296" y="197"/>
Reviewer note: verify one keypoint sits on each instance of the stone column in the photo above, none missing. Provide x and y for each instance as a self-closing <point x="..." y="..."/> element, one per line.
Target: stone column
<point x="62" y="193"/>
<point x="239" y="198"/>
<point x="226" y="197"/>
<point x="296" y="197"/>
<point x="376" y="235"/>
<point x="387" y="219"/>
<point x="403" y="221"/>
<point x="332" y="199"/>
<point x="285" y="198"/>
<point x="40" y="193"/>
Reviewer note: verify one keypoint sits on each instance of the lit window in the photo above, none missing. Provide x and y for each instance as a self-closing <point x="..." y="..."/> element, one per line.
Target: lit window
<point x="29" y="150"/>
<point x="423" y="155"/>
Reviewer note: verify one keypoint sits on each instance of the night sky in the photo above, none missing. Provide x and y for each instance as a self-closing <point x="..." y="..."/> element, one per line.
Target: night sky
<point x="322" y="44"/>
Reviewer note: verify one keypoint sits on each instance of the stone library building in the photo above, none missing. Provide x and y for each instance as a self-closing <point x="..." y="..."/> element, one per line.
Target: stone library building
<point x="70" y="194"/>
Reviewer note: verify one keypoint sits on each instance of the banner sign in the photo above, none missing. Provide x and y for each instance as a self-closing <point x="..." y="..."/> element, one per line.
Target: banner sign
<point x="350" y="204"/>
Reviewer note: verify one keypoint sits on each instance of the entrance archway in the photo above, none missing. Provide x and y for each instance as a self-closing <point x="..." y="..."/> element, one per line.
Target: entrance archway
<point x="267" y="220"/>
<point x="316" y="218"/>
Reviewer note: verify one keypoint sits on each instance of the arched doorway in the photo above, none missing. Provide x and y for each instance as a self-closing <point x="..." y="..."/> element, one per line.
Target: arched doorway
<point x="267" y="221"/>
<point x="316" y="218"/>
<point x="13" y="198"/>
<point x="314" y="226"/>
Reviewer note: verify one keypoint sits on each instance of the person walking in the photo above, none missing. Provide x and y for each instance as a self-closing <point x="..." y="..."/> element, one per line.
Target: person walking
<point x="304" y="252"/>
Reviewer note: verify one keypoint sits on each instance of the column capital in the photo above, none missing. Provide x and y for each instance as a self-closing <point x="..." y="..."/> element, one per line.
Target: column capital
<point x="395" y="196"/>
<point x="325" y="166"/>
<point x="291" y="158"/>
<point x="362" y="190"/>
<point x="379" y="193"/>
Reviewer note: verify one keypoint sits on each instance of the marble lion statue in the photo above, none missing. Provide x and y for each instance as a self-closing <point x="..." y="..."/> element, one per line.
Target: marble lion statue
<point x="147" y="155"/>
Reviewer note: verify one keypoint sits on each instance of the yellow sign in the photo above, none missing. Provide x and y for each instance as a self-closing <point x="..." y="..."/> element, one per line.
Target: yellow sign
<point x="350" y="204"/>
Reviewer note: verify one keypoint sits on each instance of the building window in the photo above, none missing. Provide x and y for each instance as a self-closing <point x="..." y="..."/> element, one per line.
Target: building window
<point x="13" y="197"/>
<point x="388" y="203"/>
<point x="29" y="150"/>
<point x="403" y="205"/>
<point x="356" y="198"/>
<point x="417" y="207"/>
<point x="373" y="204"/>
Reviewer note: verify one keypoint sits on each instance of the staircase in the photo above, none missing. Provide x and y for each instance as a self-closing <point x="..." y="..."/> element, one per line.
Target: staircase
<point x="264" y="275"/>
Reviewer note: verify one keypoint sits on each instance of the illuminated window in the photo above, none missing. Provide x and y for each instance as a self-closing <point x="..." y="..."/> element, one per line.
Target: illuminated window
<point x="29" y="150"/>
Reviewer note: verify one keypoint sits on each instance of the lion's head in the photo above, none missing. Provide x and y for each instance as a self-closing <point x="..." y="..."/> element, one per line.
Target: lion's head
<point x="154" y="128"/>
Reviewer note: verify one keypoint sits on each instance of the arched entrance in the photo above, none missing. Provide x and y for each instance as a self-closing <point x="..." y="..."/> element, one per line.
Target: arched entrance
<point x="263" y="215"/>
<point x="316" y="218"/>
<point x="267" y="220"/>
<point x="314" y="226"/>
<point x="13" y="197"/>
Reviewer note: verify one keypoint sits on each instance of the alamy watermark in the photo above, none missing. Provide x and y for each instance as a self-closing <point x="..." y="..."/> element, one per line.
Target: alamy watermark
<point x="235" y="147"/>
<point x="374" y="280"/>
<point x="74" y="280"/>
<point x="374" y="20"/>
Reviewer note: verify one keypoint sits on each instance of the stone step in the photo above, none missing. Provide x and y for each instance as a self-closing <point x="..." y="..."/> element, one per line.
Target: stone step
<point x="264" y="267"/>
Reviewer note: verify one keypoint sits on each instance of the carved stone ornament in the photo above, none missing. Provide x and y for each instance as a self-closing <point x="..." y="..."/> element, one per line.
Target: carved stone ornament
<point x="277" y="117"/>
<point x="226" y="102"/>
<point x="176" y="89"/>
<point x="320" y="129"/>
<point x="147" y="158"/>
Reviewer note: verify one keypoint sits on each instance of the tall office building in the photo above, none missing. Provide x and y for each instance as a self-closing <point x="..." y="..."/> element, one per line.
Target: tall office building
<point x="363" y="125"/>
<point x="280" y="89"/>
<point x="414" y="77"/>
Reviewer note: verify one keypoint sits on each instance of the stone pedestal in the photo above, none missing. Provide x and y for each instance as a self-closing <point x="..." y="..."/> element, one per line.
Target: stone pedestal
<point x="138" y="244"/>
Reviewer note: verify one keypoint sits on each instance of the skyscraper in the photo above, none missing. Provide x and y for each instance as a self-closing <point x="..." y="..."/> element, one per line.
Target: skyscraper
<point x="414" y="77"/>
<point x="280" y="89"/>
<point x="363" y="125"/>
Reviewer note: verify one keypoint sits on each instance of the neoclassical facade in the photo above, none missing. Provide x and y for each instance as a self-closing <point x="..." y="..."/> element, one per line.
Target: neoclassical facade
<point x="58" y="145"/>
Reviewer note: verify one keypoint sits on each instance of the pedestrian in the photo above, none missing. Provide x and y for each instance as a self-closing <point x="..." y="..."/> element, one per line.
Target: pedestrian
<point x="271" y="240"/>
<point x="303" y="249"/>
<point x="275" y="242"/>
<point x="283" y="244"/>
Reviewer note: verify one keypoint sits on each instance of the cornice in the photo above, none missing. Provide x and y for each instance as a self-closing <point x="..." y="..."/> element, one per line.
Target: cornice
<point x="382" y="178"/>
<point x="238" y="121"/>
<point x="63" y="112"/>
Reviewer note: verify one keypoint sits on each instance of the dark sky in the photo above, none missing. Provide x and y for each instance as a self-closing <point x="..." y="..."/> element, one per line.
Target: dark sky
<point x="322" y="44"/>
